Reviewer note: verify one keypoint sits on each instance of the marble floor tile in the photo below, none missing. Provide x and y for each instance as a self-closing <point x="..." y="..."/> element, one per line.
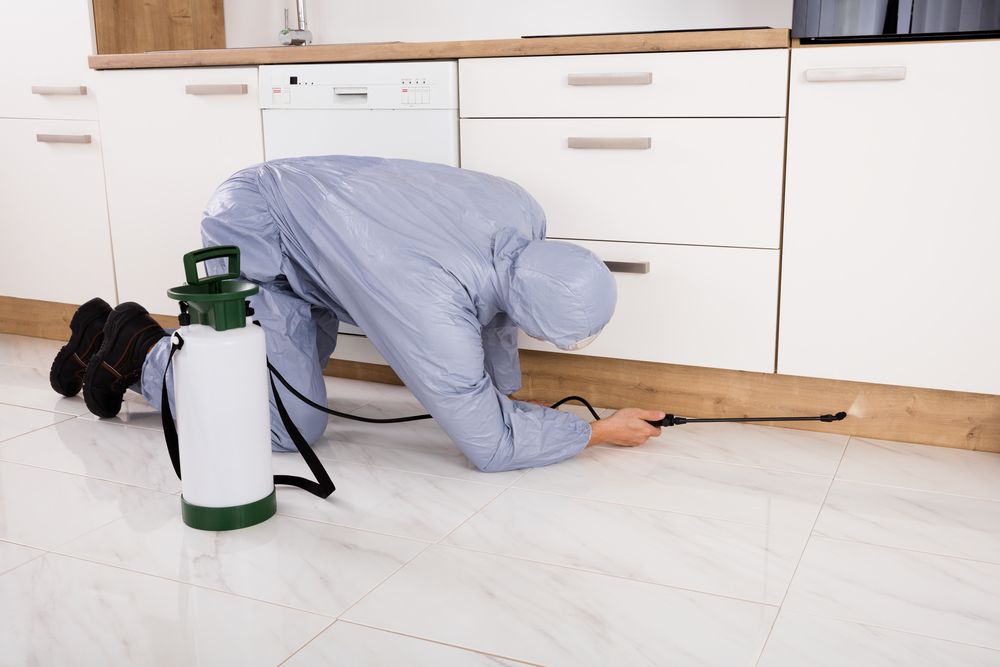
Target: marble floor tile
<point x="403" y="504"/>
<point x="63" y="611"/>
<point x="802" y="639"/>
<point x="555" y="616"/>
<point x="746" y="444"/>
<point x="920" y="520"/>
<point x="350" y="644"/>
<point x="45" y="508"/>
<point x="414" y="447"/>
<point x="302" y="564"/>
<point x="740" y="560"/>
<point x="135" y="412"/>
<point x="922" y="467"/>
<point x="27" y="351"/>
<point x="925" y="594"/>
<point x="701" y="488"/>
<point x="29" y="388"/>
<point x="13" y="555"/>
<point x="96" y="449"/>
<point x="352" y="395"/>
<point x="15" y="421"/>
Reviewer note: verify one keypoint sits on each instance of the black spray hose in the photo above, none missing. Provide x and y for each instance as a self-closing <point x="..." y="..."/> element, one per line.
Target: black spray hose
<point x="668" y="420"/>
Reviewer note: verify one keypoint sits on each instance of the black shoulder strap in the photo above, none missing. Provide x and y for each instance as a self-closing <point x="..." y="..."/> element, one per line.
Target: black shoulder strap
<point x="323" y="487"/>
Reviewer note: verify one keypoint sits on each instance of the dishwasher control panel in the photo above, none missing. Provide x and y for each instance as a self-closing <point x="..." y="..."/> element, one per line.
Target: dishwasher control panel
<point x="389" y="85"/>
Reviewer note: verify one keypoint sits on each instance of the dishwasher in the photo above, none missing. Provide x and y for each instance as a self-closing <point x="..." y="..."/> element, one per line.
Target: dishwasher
<point x="403" y="110"/>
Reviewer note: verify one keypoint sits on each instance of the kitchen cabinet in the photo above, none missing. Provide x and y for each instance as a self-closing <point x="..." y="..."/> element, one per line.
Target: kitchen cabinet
<point x="44" y="54"/>
<point x="889" y="270"/>
<point x="170" y="138"/>
<point x="54" y="216"/>
<point x="670" y="163"/>
<point x="691" y="305"/>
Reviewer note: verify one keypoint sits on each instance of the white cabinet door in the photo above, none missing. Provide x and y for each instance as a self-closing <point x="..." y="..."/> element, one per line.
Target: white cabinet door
<point x="699" y="181"/>
<point x="44" y="52"/>
<point x="165" y="152"/>
<point x="697" y="306"/>
<point x="53" y="217"/>
<point x="892" y="223"/>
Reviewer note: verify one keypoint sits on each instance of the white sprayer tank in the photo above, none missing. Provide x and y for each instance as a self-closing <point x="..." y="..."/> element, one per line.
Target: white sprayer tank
<point x="223" y="416"/>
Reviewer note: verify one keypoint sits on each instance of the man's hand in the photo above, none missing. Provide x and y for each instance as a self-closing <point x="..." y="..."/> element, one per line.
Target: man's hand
<point x="626" y="428"/>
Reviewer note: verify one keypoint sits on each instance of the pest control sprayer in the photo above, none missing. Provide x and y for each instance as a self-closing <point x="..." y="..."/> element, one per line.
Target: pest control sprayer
<point x="220" y="446"/>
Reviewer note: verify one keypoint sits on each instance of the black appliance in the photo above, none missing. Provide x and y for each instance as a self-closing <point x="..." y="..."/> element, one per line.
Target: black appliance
<point x="839" y="21"/>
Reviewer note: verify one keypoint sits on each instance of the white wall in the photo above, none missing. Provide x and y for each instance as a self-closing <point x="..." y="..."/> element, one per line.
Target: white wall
<point x="257" y="22"/>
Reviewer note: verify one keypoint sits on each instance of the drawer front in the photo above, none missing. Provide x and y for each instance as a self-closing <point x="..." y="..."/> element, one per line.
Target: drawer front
<point x="44" y="54"/>
<point x="680" y="180"/>
<point x="714" y="307"/>
<point x="692" y="84"/>
<point x="56" y="245"/>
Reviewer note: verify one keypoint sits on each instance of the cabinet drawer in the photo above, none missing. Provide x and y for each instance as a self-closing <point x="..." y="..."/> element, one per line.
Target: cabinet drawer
<point x="55" y="244"/>
<point x="700" y="181"/>
<point x="689" y="84"/>
<point x="44" y="54"/>
<point x="714" y="307"/>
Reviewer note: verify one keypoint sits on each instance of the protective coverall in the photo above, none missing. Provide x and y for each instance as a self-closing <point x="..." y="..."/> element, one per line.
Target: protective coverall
<point x="437" y="265"/>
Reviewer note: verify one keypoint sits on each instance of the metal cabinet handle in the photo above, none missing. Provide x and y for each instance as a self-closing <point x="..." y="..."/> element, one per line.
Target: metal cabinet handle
<point x="216" y="89"/>
<point x="58" y="90"/>
<point x="628" y="143"/>
<point x="896" y="73"/>
<point x="628" y="267"/>
<point x="611" y="79"/>
<point x="62" y="138"/>
<point x="352" y="90"/>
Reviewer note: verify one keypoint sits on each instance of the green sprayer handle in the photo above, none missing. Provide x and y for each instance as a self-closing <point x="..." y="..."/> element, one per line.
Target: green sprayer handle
<point x="195" y="257"/>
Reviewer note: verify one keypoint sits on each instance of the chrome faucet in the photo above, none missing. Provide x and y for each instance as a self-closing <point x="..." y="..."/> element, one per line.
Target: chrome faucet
<point x="300" y="36"/>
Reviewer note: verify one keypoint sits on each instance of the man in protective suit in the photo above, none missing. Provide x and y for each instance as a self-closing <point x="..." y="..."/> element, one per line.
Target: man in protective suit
<point x="438" y="266"/>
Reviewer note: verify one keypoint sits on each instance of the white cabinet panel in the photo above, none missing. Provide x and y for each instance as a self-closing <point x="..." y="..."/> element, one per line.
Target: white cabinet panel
<point x="165" y="153"/>
<point x="890" y="270"/>
<point x="697" y="306"/>
<point x="685" y="180"/>
<point x="45" y="46"/>
<point x="692" y="84"/>
<point x="53" y="215"/>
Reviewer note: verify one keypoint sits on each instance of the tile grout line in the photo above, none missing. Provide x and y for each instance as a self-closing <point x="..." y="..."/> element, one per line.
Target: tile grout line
<point x="805" y="547"/>
<point x="86" y="476"/>
<point x="907" y="549"/>
<point x="598" y="573"/>
<point x="909" y="633"/>
<point x="441" y="643"/>
<point x="397" y="570"/>
<point x="917" y="489"/>
<point x="40" y="428"/>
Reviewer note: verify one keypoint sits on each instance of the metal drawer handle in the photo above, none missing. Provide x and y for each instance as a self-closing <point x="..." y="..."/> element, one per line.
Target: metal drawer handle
<point x="58" y="90"/>
<point x="629" y="143"/>
<point x="353" y="90"/>
<point x="896" y="73"/>
<point x="216" y="89"/>
<point x="611" y="79"/>
<point x="628" y="267"/>
<point x="62" y="138"/>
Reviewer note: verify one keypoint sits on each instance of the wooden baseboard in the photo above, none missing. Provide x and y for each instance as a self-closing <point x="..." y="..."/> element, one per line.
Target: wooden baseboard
<point x="886" y="412"/>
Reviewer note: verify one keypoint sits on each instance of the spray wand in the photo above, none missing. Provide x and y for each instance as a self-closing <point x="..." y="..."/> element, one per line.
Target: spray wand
<point x="674" y="420"/>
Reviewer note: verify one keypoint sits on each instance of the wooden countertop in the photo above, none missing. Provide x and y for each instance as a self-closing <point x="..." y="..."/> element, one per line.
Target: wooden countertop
<point x="707" y="40"/>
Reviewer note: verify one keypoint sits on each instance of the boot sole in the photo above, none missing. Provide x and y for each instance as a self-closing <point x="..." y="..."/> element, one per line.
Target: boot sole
<point x="82" y="319"/>
<point x="122" y="314"/>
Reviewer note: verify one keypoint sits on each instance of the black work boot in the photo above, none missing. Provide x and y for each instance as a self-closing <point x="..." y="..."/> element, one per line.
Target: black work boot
<point x="129" y="334"/>
<point x="87" y="334"/>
